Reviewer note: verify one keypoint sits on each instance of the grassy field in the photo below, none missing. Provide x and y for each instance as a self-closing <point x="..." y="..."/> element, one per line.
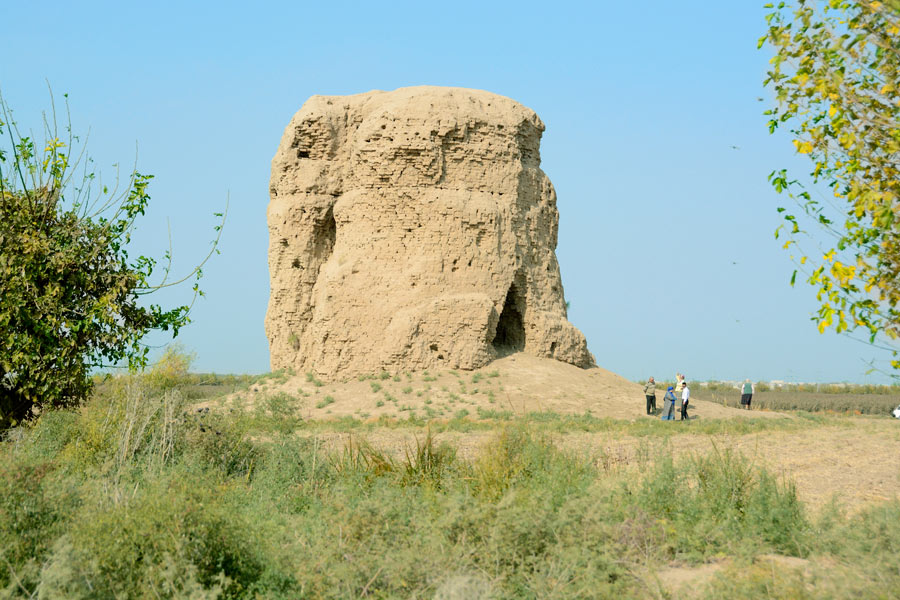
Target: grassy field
<point x="809" y="397"/>
<point x="140" y="495"/>
<point x="811" y="401"/>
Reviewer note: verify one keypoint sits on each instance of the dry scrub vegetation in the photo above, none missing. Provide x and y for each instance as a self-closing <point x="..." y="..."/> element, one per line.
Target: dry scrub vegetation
<point x="857" y="399"/>
<point x="141" y="494"/>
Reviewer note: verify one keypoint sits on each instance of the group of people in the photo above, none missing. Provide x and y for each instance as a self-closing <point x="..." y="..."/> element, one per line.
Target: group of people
<point x="680" y="388"/>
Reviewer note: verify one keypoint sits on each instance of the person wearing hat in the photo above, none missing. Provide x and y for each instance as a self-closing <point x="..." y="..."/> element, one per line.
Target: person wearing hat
<point x="685" y="398"/>
<point x="668" y="412"/>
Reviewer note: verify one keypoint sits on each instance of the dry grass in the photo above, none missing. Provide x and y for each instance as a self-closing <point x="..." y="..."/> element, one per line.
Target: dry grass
<point x="874" y="403"/>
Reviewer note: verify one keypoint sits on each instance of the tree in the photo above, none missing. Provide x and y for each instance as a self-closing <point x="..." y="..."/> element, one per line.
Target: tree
<point x="70" y="297"/>
<point x="836" y="77"/>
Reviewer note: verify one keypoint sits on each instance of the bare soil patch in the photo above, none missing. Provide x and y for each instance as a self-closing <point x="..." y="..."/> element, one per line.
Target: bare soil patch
<point x="517" y="384"/>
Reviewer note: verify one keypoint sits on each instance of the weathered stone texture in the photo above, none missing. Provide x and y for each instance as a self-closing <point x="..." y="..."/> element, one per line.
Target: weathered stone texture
<point x="413" y="229"/>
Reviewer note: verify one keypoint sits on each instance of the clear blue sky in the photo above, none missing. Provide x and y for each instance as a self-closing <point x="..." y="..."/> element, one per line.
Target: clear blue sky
<point x="666" y="244"/>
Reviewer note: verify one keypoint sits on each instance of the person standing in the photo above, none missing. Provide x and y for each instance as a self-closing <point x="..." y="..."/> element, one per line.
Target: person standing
<point x="668" y="412"/>
<point x="679" y="382"/>
<point x="650" y="394"/>
<point x="685" y="399"/>
<point x="747" y="390"/>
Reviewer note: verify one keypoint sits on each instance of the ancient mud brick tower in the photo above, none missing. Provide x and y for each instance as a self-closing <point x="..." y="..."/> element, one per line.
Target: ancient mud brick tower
<point x="413" y="229"/>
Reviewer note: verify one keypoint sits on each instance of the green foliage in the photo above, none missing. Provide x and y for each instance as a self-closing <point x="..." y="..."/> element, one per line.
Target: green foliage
<point x="32" y="514"/>
<point x="516" y="456"/>
<point x="835" y="74"/>
<point x="173" y="535"/>
<point x="69" y="292"/>
<point x="765" y="579"/>
<point x="311" y="377"/>
<point x="497" y="415"/>
<point x="325" y="402"/>
<point x="171" y="370"/>
<point x="140" y="495"/>
<point x="862" y="562"/>
<point x="429" y="464"/>
<point x="274" y="412"/>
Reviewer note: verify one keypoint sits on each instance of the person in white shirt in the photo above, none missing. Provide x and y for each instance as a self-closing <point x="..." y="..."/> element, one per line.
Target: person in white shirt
<point x="685" y="398"/>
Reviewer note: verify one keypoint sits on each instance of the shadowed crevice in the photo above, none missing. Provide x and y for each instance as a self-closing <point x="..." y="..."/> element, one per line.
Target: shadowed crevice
<point x="510" y="335"/>
<point x="324" y="236"/>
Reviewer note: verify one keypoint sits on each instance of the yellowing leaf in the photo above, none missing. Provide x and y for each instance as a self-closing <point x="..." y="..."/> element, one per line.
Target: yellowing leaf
<point x="803" y="147"/>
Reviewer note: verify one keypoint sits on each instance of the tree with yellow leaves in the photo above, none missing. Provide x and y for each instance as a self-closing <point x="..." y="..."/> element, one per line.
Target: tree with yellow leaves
<point x="836" y="77"/>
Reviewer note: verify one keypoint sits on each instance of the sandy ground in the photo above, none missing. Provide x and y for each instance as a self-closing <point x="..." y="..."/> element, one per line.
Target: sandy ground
<point x="518" y="384"/>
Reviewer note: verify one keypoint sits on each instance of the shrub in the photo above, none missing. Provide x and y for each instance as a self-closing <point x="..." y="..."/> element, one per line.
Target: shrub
<point x="173" y="535"/>
<point x="325" y="402"/>
<point x="429" y="463"/>
<point x="171" y="370"/>
<point x="721" y="501"/>
<point x="32" y="515"/>
<point x="69" y="294"/>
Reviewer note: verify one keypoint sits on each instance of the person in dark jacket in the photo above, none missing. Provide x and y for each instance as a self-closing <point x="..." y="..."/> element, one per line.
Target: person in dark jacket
<point x="650" y="394"/>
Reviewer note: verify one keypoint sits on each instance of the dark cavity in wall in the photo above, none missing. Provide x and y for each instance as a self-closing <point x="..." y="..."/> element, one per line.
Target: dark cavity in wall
<point x="510" y="336"/>
<point x="324" y="234"/>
